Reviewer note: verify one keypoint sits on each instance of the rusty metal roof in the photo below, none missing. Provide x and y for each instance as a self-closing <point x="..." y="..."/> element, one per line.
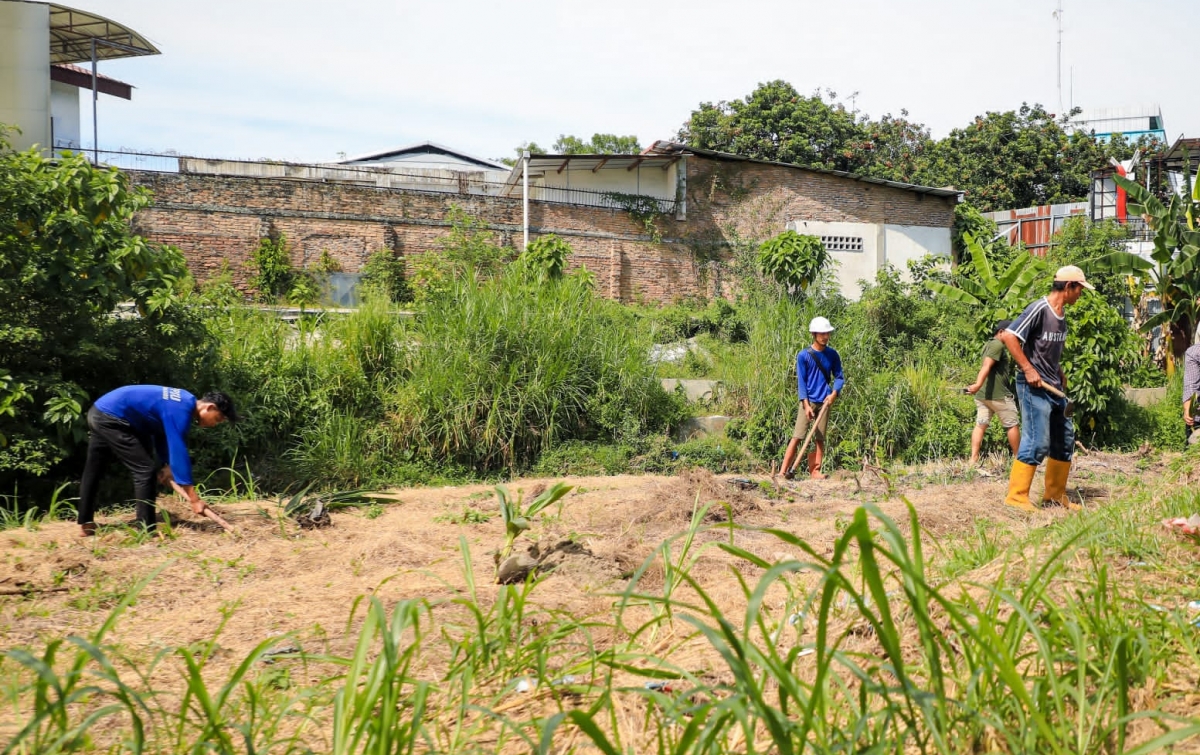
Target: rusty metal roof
<point x="78" y="76"/>
<point x="72" y="32"/>
<point x="675" y="148"/>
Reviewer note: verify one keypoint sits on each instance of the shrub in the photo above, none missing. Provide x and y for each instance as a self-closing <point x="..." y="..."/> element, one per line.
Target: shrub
<point x="793" y="260"/>
<point x="67" y="258"/>
<point x="505" y="371"/>
<point x="545" y="258"/>
<point x="384" y="274"/>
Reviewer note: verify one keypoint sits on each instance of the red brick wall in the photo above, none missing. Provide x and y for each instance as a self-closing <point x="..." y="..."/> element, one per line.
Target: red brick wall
<point x="216" y="219"/>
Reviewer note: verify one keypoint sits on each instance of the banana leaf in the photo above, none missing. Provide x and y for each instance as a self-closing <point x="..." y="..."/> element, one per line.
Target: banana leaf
<point x="1119" y="262"/>
<point x="980" y="261"/>
<point x="952" y="293"/>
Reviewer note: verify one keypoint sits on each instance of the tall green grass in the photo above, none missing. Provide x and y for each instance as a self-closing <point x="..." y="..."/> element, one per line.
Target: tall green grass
<point x="504" y="370"/>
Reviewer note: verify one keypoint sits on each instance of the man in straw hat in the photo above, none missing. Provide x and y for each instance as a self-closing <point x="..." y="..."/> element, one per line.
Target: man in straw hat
<point x="819" y="380"/>
<point x="1035" y="340"/>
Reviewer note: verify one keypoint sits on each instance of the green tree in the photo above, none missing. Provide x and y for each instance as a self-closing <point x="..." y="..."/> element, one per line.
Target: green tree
<point x="1018" y="158"/>
<point x="599" y="144"/>
<point x="793" y="260"/>
<point x="775" y="122"/>
<point x="67" y="258"/>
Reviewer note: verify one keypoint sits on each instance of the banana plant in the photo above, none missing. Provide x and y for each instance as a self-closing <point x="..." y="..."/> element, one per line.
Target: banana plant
<point x="998" y="296"/>
<point x="517" y="519"/>
<point x="1173" y="270"/>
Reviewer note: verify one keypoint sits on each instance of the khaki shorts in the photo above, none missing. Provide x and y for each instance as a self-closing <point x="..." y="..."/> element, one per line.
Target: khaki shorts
<point x="801" y="428"/>
<point x="1006" y="410"/>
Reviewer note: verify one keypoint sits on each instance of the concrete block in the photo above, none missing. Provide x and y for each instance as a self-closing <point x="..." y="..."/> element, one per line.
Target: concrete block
<point x="702" y="427"/>
<point x="1145" y="396"/>
<point x="695" y="390"/>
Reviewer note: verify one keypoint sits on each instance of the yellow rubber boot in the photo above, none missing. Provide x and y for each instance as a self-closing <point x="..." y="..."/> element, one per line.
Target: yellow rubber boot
<point x="1056" y="485"/>
<point x="1019" y="481"/>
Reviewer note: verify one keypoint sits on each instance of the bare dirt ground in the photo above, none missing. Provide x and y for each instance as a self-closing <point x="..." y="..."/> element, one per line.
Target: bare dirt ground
<point x="273" y="579"/>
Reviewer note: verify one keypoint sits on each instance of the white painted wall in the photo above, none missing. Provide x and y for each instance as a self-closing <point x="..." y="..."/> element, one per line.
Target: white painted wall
<point x="851" y="266"/>
<point x="64" y="112"/>
<point x="881" y="245"/>
<point x="25" y="71"/>
<point x="910" y="242"/>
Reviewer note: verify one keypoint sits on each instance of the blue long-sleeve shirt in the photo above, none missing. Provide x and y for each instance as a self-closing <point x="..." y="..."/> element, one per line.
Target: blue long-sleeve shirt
<point x="810" y="383"/>
<point x="160" y="412"/>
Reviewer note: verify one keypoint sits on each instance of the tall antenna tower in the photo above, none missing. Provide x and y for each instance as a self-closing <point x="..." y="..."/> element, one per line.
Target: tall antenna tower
<point x="1058" y="17"/>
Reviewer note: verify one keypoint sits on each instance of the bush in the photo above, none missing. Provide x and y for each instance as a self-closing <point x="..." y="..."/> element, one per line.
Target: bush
<point x="384" y="274"/>
<point x="67" y="258"/>
<point x="505" y="371"/>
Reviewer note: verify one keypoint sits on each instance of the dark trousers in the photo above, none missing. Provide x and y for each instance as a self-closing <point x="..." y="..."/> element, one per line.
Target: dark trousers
<point x="110" y="437"/>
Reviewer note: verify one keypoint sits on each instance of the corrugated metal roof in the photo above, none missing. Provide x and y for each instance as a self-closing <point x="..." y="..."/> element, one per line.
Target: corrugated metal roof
<point x="72" y="32"/>
<point x="558" y="163"/>
<point x="424" y="148"/>
<point x="675" y="148"/>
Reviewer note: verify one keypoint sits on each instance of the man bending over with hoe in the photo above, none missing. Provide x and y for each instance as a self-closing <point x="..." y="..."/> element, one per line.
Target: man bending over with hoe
<point x="133" y="422"/>
<point x="819" y="380"/>
<point x="1035" y="341"/>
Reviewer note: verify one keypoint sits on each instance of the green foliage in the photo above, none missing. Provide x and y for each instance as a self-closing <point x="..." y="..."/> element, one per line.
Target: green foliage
<point x="641" y="208"/>
<point x="273" y="276"/>
<point x="1019" y="158"/>
<point x="793" y="260"/>
<point x="993" y="298"/>
<point x="599" y="144"/>
<point x="775" y="122"/>
<point x="970" y="221"/>
<point x="1101" y="350"/>
<point x="1174" y="273"/>
<point x="1000" y="160"/>
<point x="518" y="517"/>
<point x="545" y="258"/>
<point x="1082" y="242"/>
<point x="506" y="371"/>
<point x="67" y="258"/>
<point x="469" y="251"/>
<point x="384" y="274"/>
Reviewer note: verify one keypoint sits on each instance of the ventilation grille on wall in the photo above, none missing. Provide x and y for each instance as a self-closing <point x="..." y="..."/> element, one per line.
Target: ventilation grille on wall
<point x="842" y="243"/>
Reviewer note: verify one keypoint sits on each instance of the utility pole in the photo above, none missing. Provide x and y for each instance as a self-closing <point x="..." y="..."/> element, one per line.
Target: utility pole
<point x="1058" y="16"/>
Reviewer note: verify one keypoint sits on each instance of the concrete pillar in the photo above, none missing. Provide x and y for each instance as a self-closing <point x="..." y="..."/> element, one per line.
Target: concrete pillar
<point x="25" y="72"/>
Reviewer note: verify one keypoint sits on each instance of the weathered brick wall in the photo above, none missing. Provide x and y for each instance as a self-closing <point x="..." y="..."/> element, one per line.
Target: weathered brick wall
<point x="219" y="220"/>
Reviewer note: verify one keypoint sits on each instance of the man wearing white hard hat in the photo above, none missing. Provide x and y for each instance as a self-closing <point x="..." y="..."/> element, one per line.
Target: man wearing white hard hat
<point x="1035" y="340"/>
<point x="819" y="380"/>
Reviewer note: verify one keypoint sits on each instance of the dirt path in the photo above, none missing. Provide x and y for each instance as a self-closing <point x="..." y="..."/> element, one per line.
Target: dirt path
<point x="274" y="579"/>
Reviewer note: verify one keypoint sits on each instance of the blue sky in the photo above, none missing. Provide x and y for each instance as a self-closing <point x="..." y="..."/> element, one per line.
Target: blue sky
<point x="306" y="81"/>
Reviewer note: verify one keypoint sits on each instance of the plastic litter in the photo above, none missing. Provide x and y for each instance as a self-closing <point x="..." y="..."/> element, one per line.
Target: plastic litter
<point x="568" y="679"/>
<point x="743" y="483"/>
<point x="659" y="687"/>
<point x="524" y="684"/>
<point x="1184" y="526"/>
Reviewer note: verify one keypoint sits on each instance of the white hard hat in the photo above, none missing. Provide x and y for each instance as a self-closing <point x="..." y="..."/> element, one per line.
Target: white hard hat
<point x="820" y="325"/>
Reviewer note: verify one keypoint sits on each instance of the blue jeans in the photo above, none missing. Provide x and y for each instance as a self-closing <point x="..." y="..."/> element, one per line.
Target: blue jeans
<point x="1045" y="431"/>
